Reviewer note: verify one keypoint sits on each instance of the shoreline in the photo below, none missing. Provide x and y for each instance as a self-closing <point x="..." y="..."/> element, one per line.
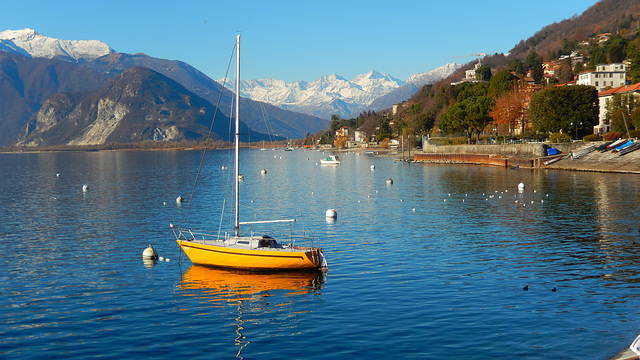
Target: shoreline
<point x="514" y="156"/>
<point x="595" y="161"/>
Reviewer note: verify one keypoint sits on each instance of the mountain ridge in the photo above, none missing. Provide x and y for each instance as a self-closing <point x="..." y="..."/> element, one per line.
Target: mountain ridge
<point x="334" y="95"/>
<point x="30" y="43"/>
<point x="138" y="105"/>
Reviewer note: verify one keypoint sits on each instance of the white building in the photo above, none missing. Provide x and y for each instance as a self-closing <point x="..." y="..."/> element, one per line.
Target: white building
<point x="359" y="136"/>
<point x="604" y="76"/>
<point x="469" y="75"/>
<point x="604" y="123"/>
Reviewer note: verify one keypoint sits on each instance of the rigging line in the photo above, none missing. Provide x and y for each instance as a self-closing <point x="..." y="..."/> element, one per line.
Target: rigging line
<point x="261" y="104"/>
<point x="206" y="142"/>
<point x="267" y="123"/>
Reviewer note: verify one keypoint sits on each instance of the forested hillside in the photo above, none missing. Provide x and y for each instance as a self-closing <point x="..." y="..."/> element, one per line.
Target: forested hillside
<point x="608" y="32"/>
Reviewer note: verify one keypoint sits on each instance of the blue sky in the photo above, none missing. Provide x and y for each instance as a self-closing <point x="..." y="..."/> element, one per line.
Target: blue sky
<point x="296" y="40"/>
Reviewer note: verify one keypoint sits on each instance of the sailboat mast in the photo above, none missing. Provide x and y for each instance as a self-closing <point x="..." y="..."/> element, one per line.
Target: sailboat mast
<point x="237" y="139"/>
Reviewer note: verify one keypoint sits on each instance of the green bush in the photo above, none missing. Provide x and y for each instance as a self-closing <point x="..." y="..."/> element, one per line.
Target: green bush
<point x="559" y="137"/>
<point x="592" y="137"/>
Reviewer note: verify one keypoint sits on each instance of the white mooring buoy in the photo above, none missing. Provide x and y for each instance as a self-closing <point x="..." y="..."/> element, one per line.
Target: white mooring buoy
<point x="179" y="199"/>
<point x="85" y="187"/>
<point x="332" y="214"/>
<point x="263" y="171"/>
<point x="390" y="181"/>
<point x="150" y="253"/>
<point x="373" y="167"/>
<point x="521" y="186"/>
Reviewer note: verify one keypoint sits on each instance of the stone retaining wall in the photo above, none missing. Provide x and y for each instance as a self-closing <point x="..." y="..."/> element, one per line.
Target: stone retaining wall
<point x="522" y="151"/>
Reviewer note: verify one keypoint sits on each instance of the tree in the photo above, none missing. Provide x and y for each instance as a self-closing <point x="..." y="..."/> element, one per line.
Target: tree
<point x="517" y="67"/>
<point x="557" y="108"/>
<point x="510" y="107"/>
<point x="633" y="53"/>
<point x="616" y="53"/>
<point x="483" y="73"/>
<point x="624" y="113"/>
<point x="565" y="74"/>
<point x="469" y="115"/>
<point x="309" y="140"/>
<point x="335" y="125"/>
<point x="328" y="137"/>
<point x="501" y="83"/>
<point x="598" y="57"/>
<point x="534" y="62"/>
<point x="578" y="67"/>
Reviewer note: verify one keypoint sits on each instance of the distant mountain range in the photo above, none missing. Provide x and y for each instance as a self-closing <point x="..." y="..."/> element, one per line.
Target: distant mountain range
<point x="34" y="67"/>
<point x="46" y="82"/>
<point x="333" y="94"/>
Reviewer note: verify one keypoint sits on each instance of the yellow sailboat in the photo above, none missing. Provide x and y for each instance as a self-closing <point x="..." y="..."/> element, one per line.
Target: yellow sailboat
<point x="253" y="252"/>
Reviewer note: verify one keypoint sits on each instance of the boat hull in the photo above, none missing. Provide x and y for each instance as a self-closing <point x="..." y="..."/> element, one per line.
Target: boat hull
<point x="253" y="259"/>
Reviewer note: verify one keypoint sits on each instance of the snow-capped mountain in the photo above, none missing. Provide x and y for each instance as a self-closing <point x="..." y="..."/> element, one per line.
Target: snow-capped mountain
<point x="413" y="84"/>
<point x="421" y="79"/>
<point x="333" y="94"/>
<point x="30" y="43"/>
<point x="328" y="95"/>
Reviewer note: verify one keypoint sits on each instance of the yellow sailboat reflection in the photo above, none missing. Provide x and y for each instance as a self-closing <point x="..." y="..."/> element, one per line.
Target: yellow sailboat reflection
<point x="235" y="285"/>
<point x="248" y="291"/>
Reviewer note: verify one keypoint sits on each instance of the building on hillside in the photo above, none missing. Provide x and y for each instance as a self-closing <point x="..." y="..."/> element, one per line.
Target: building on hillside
<point x="604" y="76"/>
<point x="469" y="75"/>
<point x="343" y="132"/>
<point x="604" y="37"/>
<point x="359" y="136"/>
<point x="604" y="123"/>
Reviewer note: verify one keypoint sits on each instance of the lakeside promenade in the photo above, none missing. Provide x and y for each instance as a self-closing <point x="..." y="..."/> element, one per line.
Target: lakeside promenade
<point x="533" y="156"/>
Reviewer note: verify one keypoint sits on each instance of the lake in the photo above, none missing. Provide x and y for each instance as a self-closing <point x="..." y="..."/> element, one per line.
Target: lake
<point x="433" y="266"/>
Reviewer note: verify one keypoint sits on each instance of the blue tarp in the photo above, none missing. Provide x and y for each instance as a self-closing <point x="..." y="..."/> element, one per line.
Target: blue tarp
<point x="628" y="143"/>
<point x="552" y="151"/>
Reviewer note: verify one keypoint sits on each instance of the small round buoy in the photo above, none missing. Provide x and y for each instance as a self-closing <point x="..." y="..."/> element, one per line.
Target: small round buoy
<point x="85" y="187"/>
<point x="167" y="259"/>
<point x="149" y="253"/>
<point x="57" y="174"/>
<point x="390" y="181"/>
<point x="521" y="186"/>
<point x="240" y="177"/>
<point x="373" y="167"/>
<point x="161" y="258"/>
<point x="332" y="214"/>
<point x="179" y="199"/>
<point x="263" y="171"/>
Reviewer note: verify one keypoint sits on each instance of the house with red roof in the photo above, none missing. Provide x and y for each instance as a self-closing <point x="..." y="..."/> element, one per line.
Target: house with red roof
<point x="604" y="124"/>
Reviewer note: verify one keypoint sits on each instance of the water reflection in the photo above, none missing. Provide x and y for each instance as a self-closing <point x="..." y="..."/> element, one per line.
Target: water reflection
<point x="248" y="292"/>
<point x="237" y="285"/>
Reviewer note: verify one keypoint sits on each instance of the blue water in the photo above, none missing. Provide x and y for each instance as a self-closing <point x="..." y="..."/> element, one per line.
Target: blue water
<point x="431" y="267"/>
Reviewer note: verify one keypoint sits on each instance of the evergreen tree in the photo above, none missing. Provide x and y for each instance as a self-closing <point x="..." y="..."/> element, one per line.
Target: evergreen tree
<point x="534" y="62"/>
<point x="633" y="54"/>
<point x="483" y="73"/>
<point x="555" y="108"/>
<point x="517" y="67"/>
